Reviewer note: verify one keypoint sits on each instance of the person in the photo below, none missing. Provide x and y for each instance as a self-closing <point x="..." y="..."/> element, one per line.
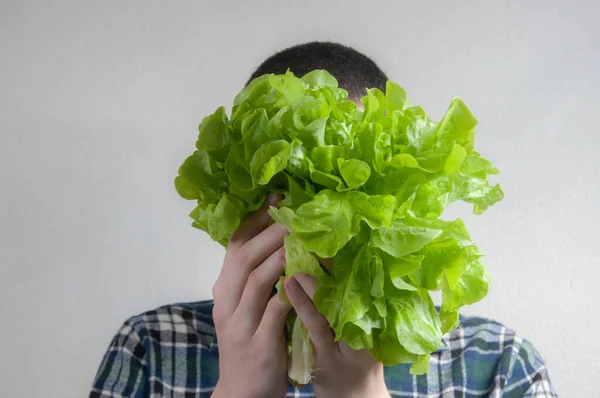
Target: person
<point x="235" y="347"/>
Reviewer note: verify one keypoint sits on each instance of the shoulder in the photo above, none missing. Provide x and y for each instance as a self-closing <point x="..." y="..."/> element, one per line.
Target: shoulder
<point x="155" y="346"/>
<point x="489" y="335"/>
<point x="191" y="323"/>
<point x="483" y="343"/>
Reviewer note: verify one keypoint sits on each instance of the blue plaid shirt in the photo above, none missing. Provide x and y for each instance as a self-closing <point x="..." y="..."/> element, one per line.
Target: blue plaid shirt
<point x="172" y="351"/>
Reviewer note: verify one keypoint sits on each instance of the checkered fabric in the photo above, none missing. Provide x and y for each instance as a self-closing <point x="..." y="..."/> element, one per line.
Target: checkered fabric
<point x="173" y="352"/>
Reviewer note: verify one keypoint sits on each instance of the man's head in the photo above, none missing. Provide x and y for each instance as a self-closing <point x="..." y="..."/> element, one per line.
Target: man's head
<point x="353" y="70"/>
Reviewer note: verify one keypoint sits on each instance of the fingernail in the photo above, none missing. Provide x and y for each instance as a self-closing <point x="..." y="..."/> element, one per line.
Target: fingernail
<point x="273" y="199"/>
<point x="282" y="253"/>
<point x="291" y="283"/>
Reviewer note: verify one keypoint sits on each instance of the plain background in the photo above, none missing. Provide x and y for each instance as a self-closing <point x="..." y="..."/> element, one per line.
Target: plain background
<point x="99" y="104"/>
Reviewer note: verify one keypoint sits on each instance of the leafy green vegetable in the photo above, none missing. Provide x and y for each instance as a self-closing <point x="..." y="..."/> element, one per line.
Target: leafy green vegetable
<point x="365" y="188"/>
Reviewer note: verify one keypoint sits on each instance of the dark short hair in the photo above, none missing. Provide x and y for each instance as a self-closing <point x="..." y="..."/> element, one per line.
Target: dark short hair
<point x="353" y="70"/>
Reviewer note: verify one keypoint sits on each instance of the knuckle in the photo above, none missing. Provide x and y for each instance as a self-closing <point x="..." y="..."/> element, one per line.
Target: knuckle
<point x="216" y="290"/>
<point x="322" y="323"/>
<point x="242" y="257"/>
<point x="272" y="305"/>
<point x="304" y="302"/>
<point x="233" y="240"/>
<point x="255" y="280"/>
<point x="281" y="255"/>
<point x="277" y="308"/>
<point x="279" y="229"/>
<point x="217" y="315"/>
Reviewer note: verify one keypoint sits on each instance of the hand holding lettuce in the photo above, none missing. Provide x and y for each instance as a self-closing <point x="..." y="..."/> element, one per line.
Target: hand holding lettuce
<point x="365" y="188"/>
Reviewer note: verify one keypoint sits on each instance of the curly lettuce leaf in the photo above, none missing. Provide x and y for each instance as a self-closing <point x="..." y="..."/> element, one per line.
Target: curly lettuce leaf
<point x="366" y="189"/>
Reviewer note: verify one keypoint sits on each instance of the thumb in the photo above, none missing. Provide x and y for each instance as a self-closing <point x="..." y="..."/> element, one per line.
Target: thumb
<point x="316" y="324"/>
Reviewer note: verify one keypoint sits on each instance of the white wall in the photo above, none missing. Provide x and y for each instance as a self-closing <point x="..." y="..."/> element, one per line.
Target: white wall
<point x="99" y="104"/>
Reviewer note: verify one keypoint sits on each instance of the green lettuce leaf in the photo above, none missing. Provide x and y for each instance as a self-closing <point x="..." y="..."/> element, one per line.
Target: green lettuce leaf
<point x="367" y="190"/>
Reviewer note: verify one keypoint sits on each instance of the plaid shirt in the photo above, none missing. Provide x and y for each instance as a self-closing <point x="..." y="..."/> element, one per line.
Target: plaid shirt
<point x="172" y="351"/>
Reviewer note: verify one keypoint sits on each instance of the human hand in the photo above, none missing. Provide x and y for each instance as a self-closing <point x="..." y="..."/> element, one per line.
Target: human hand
<point x="340" y="370"/>
<point x="248" y="321"/>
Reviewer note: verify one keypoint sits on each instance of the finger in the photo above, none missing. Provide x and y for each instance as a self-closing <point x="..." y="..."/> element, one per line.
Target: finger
<point x="226" y="292"/>
<point x="273" y="321"/>
<point x="255" y="251"/>
<point x="253" y="225"/>
<point x="317" y="326"/>
<point x="238" y="267"/>
<point x="308" y="283"/>
<point x="258" y="289"/>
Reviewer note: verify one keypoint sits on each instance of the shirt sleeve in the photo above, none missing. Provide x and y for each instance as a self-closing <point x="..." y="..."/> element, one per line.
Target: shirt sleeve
<point x="123" y="368"/>
<point x="529" y="376"/>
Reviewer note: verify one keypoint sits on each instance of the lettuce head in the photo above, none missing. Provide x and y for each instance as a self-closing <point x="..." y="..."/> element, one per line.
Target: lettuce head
<point x="362" y="187"/>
